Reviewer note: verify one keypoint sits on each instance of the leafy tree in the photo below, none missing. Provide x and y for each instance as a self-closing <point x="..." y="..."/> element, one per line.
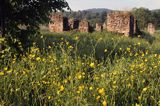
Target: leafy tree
<point x="143" y="16"/>
<point x="20" y="19"/>
<point x="103" y="16"/>
<point x="156" y="17"/>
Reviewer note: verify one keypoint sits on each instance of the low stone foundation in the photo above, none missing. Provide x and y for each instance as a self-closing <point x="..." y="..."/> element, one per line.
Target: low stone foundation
<point x="151" y="28"/>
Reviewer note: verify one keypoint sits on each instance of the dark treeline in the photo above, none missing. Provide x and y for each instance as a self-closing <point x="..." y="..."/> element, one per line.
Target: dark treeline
<point x="143" y="16"/>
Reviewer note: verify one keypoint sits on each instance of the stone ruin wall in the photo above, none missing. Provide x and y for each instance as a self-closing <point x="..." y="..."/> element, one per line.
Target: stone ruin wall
<point x="151" y="28"/>
<point x="121" y="22"/>
<point x="58" y="23"/>
<point x="73" y="24"/>
<point x="56" y="20"/>
<point x="84" y="26"/>
<point x="99" y="27"/>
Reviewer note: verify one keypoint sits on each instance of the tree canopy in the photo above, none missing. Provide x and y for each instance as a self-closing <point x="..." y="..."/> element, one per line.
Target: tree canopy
<point x="20" y="19"/>
<point x="145" y="16"/>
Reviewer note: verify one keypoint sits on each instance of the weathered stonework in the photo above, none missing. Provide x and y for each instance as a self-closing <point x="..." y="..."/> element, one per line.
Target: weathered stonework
<point x="84" y="26"/>
<point x="121" y="22"/>
<point x="58" y="23"/>
<point x="151" y="28"/>
<point x="73" y="24"/>
<point x="99" y="27"/>
<point x="104" y="26"/>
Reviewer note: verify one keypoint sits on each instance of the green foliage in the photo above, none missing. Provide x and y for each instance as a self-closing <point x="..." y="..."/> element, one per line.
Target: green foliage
<point x="156" y="17"/>
<point x="21" y="19"/>
<point x="95" y="43"/>
<point x="144" y="16"/>
<point x="66" y="72"/>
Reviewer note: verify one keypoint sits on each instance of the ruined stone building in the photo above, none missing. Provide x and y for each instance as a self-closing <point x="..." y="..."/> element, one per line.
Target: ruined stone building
<point x="99" y="27"/>
<point x="151" y="28"/>
<point x="73" y="24"/>
<point x="58" y="23"/>
<point x="121" y="22"/>
<point x="84" y="26"/>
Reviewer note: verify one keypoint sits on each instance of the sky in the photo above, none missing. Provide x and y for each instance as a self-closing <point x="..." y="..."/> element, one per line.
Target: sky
<point x="113" y="4"/>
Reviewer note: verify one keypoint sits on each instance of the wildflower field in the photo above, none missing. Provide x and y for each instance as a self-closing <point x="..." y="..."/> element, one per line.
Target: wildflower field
<point x="74" y="69"/>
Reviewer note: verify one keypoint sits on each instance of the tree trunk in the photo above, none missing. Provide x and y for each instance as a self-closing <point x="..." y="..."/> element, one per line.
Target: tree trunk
<point x="2" y="20"/>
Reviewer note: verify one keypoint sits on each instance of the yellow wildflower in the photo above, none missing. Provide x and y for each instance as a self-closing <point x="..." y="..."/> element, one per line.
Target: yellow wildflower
<point x="100" y="38"/>
<point x="81" y="87"/>
<point x="139" y="97"/>
<point x="105" y="50"/>
<point x="38" y="58"/>
<point x="32" y="55"/>
<point x="65" y="81"/>
<point x="41" y="36"/>
<point x="155" y="55"/>
<point x="101" y="91"/>
<point x="79" y="76"/>
<point x="70" y="47"/>
<point x="76" y="38"/>
<point x="5" y="68"/>
<point x="129" y="85"/>
<point x="98" y="97"/>
<point x="114" y="82"/>
<point x="1" y="73"/>
<point x="104" y="103"/>
<point x="78" y="92"/>
<point x="49" y="97"/>
<point x="2" y="39"/>
<point x="92" y="65"/>
<point x="144" y="89"/>
<point x="61" y="88"/>
<point x="155" y="66"/>
<point x="91" y="88"/>
<point x="67" y="43"/>
<point x="143" y="54"/>
<point x="145" y="60"/>
<point x="9" y="71"/>
<point x="62" y="38"/>
<point x="49" y="47"/>
<point x="128" y="49"/>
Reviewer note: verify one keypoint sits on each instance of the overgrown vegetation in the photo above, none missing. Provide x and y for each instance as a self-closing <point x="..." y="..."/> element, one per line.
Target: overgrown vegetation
<point x="83" y="69"/>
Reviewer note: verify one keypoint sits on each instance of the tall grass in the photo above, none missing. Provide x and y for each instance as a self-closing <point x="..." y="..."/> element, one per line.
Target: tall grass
<point x="73" y="69"/>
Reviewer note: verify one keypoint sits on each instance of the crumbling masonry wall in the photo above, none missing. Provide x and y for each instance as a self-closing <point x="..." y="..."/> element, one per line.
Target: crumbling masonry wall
<point x="84" y="26"/>
<point x="73" y="24"/>
<point x="151" y="28"/>
<point x="58" y="23"/>
<point x="121" y="22"/>
<point x="99" y="27"/>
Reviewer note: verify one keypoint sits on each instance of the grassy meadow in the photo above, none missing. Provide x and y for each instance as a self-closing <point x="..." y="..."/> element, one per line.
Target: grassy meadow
<point x="83" y="69"/>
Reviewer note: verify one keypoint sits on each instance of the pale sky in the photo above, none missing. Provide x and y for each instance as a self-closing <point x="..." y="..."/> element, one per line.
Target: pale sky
<point x="113" y="4"/>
